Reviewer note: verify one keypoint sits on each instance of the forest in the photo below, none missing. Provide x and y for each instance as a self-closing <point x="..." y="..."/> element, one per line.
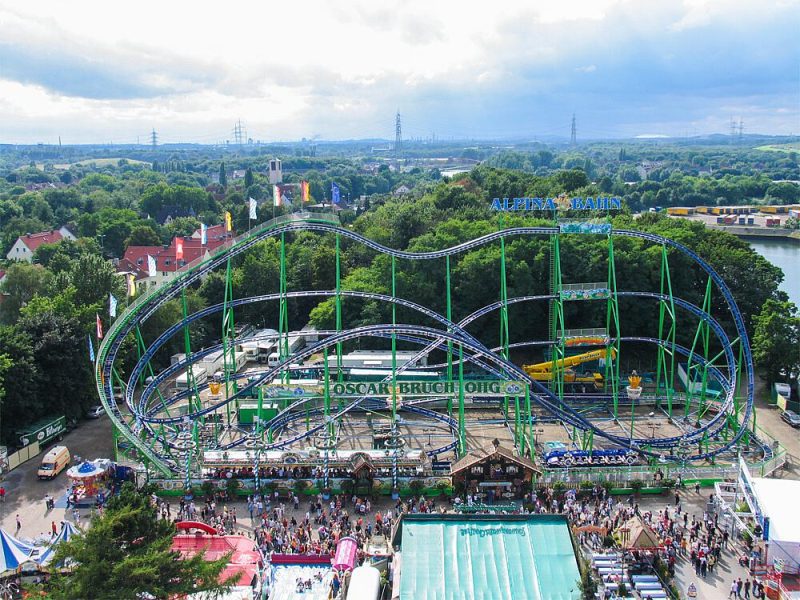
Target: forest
<point x="50" y="307"/>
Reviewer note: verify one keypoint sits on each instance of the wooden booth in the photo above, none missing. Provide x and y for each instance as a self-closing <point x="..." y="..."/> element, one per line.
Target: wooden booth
<point x="494" y="473"/>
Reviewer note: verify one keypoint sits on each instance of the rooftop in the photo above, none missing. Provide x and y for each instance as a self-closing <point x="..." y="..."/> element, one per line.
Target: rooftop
<point x="525" y="557"/>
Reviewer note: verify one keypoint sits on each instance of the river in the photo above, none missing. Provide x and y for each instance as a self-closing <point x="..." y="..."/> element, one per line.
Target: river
<point x="785" y="254"/>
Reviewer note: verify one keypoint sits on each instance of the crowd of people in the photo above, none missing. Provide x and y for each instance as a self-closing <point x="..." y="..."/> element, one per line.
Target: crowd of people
<point x="315" y="525"/>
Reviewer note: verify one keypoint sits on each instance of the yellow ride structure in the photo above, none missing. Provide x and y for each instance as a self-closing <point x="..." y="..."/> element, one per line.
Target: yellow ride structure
<point x="546" y="371"/>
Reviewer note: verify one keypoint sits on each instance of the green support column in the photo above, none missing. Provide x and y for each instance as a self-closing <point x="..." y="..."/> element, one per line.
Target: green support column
<point x="141" y="348"/>
<point x="503" y="311"/>
<point x="529" y="423"/>
<point x="665" y="362"/>
<point x="228" y="338"/>
<point x="449" y="342"/>
<point x="394" y="344"/>
<point x="283" y="317"/>
<point x="326" y="399"/>
<point x="557" y="327"/>
<point x="195" y="404"/>
<point x="612" y="319"/>
<point x="702" y="335"/>
<point x="462" y="433"/>
<point x="339" y="373"/>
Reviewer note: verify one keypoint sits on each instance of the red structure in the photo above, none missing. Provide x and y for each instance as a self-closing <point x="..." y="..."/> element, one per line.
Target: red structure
<point x="245" y="562"/>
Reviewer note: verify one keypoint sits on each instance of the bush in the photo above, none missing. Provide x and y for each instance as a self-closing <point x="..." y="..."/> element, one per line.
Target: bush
<point x="636" y="485"/>
<point x="416" y="486"/>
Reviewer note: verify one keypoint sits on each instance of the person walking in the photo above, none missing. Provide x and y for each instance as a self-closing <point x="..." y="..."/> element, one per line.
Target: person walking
<point x="747" y="589"/>
<point x="53" y="528"/>
<point x="732" y="593"/>
<point x="2" y="493"/>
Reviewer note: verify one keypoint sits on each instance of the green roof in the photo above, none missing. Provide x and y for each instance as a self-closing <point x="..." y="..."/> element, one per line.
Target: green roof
<point x="524" y="557"/>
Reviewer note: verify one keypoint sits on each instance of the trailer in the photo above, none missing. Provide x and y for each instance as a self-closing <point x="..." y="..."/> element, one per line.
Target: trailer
<point x="43" y="431"/>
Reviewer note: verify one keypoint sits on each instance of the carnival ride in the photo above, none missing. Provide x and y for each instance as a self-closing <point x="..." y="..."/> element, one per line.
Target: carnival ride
<point x="171" y="430"/>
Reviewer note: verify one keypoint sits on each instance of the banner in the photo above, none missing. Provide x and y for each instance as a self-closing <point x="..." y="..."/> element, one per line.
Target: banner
<point x="91" y="350"/>
<point x="253" y="208"/>
<point x="203" y="234"/>
<point x="178" y="248"/>
<point x="304" y="194"/>
<point x="336" y="196"/>
<point x="99" y="327"/>
<point x="130" y="280"/>
<point x="276" y="195"/>
<point x="228" y="221"/>
<point x="112" y="306"/>
<point x="152" y="271"/>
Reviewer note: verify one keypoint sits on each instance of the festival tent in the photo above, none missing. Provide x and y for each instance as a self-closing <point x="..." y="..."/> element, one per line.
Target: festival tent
<point x="11" y="554"/>
<point x="635" y="535"/>
<point x="67" y="531"/>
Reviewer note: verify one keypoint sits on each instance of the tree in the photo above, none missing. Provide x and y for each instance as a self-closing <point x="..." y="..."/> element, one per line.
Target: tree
<point x="776" y="341"/>
<point x="126" y="553"/>
<point x="143" y="235"/>
<point x="21" y="283"/>
<point x="223" y="177"/>
<point x="21" y="404"/>
<point x="248" y="177"/>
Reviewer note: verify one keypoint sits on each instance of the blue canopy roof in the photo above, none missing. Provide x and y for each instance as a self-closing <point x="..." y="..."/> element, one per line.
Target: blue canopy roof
<point x="12" y="552"/>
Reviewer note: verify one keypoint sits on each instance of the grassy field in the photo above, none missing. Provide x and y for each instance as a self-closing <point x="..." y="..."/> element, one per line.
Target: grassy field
<point x="100" y="162"/>
<point x="790" y="147"/>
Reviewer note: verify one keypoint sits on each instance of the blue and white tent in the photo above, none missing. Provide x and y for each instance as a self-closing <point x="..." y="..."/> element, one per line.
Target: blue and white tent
<point x="12" y="552"/>
<point x="67" y="531"/>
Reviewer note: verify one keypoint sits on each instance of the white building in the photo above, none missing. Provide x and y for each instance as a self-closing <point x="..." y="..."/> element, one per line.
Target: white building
<point x="27" y="244"/>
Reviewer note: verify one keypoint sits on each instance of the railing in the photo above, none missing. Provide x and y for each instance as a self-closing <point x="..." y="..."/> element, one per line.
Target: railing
<point x="595" y="285"/>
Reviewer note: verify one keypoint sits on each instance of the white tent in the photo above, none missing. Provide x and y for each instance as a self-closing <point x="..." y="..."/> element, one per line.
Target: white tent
<point x="12" y="554"/>
<point x="67" y="531"/>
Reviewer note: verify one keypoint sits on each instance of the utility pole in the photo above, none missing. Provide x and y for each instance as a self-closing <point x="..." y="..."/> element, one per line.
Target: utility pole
<point x="153" y="138"/>
<point x="239" y="133"/>
<point x="398" y="135"/>
<point x="573" y="137"/>
<point x="741" y="130"/>
<point x="733" y="131"/>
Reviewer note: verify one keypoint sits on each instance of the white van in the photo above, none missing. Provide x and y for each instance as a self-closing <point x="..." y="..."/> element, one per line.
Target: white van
<point x="56" y="460"/>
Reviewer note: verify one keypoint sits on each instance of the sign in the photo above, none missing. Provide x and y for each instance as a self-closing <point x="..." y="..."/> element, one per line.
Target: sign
<point x="440" y="465"/>
<point x="561" y="203"/>
<point x="481" y="387"/>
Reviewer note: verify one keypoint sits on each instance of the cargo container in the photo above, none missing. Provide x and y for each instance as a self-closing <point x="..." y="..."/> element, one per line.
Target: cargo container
<point x="43" y="431"/>
<point x="248" y="412"/>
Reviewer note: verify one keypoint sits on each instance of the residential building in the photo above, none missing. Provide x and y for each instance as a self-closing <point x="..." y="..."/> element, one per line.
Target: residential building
<point x="27" y="244"/>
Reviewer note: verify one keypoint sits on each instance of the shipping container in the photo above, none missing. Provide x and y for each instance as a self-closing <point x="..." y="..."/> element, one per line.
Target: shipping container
<point x="43" y="431"/>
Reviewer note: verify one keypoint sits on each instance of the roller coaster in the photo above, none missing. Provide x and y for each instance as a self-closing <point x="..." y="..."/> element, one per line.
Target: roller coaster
<point x="174" y="431"/>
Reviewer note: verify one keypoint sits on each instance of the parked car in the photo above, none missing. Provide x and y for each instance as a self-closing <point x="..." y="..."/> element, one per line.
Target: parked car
<point x="95" y="412"/>
<point x="792" y="418"/>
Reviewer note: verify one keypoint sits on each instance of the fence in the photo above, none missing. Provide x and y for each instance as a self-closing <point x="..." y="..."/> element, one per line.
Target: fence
<point x="22" y="455"/>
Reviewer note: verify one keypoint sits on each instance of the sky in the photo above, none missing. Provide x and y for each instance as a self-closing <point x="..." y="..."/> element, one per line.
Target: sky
<point x="97" y="72"/>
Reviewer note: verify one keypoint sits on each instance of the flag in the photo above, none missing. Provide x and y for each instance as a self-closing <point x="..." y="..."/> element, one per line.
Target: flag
<point x="152" y="270"/>
<point x="286" y="199"/>
<point x="304" y="195"/>
<point x="99" y="327"/>
<point x="228" y="221"/>
<point x="178" y="248"/>
<point x="91" y="350"/>
<point x="112" y="306"/>
<point x="203" y="234"/>
<point x="253" y="207"/>
<point x="276" y="195"/>
<point x="336" y="197"/>
<point x="131" y="281"/>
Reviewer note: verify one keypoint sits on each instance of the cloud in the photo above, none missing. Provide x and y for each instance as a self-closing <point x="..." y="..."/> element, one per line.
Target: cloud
<point x="342" y="69"/>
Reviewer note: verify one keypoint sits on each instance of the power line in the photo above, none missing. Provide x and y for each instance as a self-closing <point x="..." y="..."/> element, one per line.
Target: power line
<point x="239" y="133"/>
<point x="573" y="138"/>
<point x="398" y="135"/>
<point x="153" y="138"/>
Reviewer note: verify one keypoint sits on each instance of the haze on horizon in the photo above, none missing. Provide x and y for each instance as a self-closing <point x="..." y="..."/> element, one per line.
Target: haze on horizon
<point x="92" y="73"/>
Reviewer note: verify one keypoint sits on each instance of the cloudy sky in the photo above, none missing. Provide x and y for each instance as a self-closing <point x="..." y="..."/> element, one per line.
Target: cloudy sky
<point x="340" y="69"/>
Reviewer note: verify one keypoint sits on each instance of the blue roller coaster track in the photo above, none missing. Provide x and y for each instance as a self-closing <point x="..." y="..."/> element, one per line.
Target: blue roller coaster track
<point x="154" y="435"/>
